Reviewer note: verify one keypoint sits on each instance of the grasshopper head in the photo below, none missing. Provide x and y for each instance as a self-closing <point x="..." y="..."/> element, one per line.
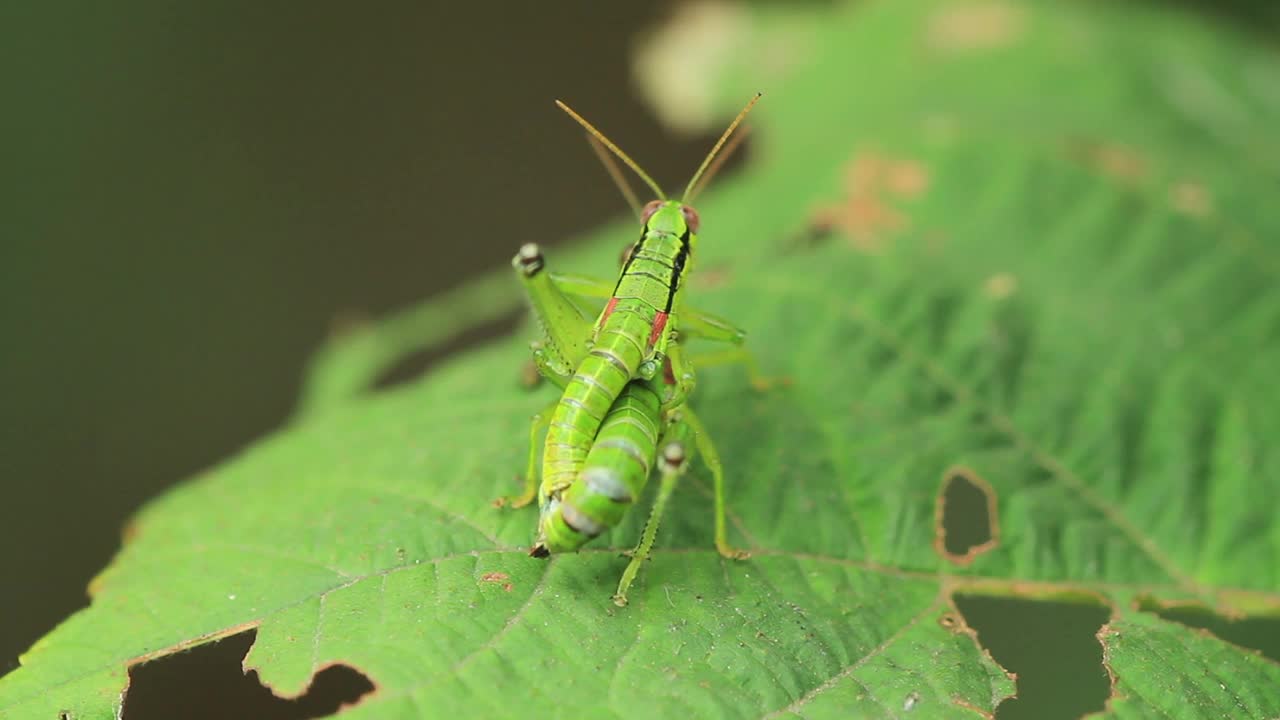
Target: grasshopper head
<point x="670" y="217"/>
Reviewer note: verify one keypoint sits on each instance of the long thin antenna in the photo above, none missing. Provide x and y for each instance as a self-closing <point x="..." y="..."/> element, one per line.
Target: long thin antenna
<point x="615" y="172"/>
<point x="725" y="154"/>
<point x="615" y="149"/>
<point x="711" y="155"/>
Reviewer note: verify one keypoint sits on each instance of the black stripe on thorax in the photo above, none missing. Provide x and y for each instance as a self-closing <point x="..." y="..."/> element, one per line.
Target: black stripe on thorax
<point x="678" y="270"/>
<point x="644" y="233"/>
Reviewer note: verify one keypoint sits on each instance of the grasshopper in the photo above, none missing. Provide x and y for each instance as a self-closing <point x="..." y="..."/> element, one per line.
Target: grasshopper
<point x="641" y="421"/>
<point x="624" y="376"/>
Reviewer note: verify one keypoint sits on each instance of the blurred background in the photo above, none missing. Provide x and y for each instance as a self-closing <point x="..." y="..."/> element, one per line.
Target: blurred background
<point x="195" y="195"/>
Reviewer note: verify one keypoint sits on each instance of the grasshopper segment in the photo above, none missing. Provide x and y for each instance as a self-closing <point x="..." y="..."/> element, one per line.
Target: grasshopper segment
<point x="623" y="375"/>
<point x="613" y="475"/>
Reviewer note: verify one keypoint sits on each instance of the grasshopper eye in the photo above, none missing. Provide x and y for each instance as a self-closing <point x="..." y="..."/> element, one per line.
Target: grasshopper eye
<point x="690" y="218"/>
<point x="650" y="208"/>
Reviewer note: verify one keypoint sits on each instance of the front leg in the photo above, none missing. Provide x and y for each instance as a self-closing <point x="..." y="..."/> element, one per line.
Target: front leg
<point x="566" y="328"/>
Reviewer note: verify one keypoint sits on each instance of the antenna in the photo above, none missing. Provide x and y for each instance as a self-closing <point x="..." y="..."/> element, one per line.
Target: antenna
<point x="711" y="155"/>
<point x="616" y="173"/>
<point x="725" y="154"/>
<point x="616" y="150"/>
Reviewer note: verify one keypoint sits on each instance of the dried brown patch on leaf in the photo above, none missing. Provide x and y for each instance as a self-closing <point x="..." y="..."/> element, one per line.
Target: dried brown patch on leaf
<point x="867" y="214"/>
<point x="967" y="27"/>
<point x="500" y="579"/>
<point x="1191" y="198"/>
<point x="966" y="517"/>
<point x="907" y="178"/>
<point x="952" y="622"/>
<point x="1113" y="160"/>
<point x="713" y="277"/>
<point x="1103" y="636"/>
<point x="1000" y="286"/>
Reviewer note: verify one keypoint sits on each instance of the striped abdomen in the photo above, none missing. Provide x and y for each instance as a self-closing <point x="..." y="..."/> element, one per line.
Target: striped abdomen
<point x="630" y="325"/>
<point x="612" y="362"/>
<point x="613" y="475"/>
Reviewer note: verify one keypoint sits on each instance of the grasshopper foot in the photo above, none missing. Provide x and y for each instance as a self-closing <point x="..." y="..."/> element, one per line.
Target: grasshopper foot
<point x="728" y="551"/>
<point x="516" y="501"/>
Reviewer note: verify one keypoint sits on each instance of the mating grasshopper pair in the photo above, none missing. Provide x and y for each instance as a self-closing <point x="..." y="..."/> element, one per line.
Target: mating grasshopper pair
<point x="625" y="377"/>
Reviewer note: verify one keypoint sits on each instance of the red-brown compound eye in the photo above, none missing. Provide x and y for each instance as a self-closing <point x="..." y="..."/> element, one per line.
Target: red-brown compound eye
<point x="690" y="218"/>
<point x="649" y="209"/>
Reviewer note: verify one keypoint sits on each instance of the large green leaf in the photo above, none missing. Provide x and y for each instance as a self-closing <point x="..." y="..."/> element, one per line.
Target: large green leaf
<point x="1049" y="268"/>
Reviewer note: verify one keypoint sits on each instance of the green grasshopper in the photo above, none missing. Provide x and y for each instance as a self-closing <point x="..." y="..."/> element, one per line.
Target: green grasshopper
<point x="624" y="377"/>
<point x="625" y="448"/>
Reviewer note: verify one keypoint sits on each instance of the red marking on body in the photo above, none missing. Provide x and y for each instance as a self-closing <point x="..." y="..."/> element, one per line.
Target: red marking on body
<point x="668" y="375"/>
<point x="659" y="324"/>
<point x="608" y="309"/>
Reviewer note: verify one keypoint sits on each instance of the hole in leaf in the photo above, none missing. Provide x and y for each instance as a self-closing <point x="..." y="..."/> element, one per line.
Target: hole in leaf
<point x="1051" y="647"/>
<point x="413" y="365"/>
<point x="1255" y="633"/>
<point x="966" y="521"/>
<point x="207" y="682"/>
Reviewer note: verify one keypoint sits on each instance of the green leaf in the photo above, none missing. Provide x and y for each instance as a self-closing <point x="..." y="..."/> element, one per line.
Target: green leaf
<point x="1030" y="244"/>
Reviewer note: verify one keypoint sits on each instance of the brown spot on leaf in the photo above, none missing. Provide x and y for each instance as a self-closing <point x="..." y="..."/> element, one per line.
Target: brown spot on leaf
<point x="713" y="277"/>
<point x="1114" y="160"/>
<point x="907" y="178"/>
<point x="1120" y="162"/>
<point x="1000" y="286"/>
<point x="966" y="27"/>
<point x="174" y="684"/>
<point x="494" y="577"/>
<point x="1190" y="198"/>
<point x="951" y="622"/>
<point x="966" y="521"/>
<point x="866" y="215"/>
